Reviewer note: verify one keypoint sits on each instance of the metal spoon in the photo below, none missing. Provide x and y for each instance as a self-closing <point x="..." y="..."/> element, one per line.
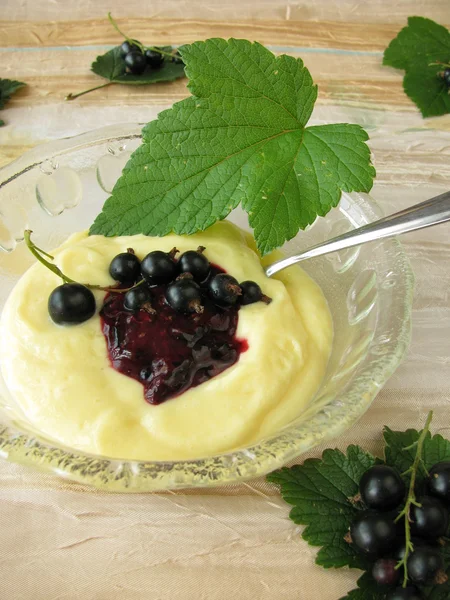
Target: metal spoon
<point x="426" y="214"/>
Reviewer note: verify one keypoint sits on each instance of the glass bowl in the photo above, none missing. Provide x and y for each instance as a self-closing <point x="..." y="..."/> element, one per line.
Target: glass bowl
<point x="59" y="188"/>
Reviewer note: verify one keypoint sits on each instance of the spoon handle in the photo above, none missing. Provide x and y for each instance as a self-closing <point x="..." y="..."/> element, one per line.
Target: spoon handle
<point x="425" y="214"/>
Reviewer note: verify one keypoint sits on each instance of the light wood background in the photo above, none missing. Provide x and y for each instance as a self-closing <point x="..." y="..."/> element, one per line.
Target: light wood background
<point x="60" y="541"/>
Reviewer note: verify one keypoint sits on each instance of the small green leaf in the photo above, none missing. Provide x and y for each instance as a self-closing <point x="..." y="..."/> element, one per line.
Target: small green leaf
<point x="400" y="450"/>
<point x="321" y="492"/>
<point x="421" y="39"/>
<point x="8" y="87"/>
<point x="367" y="590"/>
<point x="422" y="49"/>
<point x="240" y="140"/>
<point x="111" y="66"/>
<point x="427" y="89"/>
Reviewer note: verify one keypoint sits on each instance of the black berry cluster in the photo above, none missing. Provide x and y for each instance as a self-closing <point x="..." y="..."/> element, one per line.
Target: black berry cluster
<point x="378" y="532"/>
<point x="184" y="278"/>
<point x="138" y="58"/>
<point x="189" y="281"/>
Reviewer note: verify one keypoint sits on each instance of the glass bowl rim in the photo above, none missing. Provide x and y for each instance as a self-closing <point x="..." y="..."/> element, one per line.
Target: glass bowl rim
<point x="229" y="467"/>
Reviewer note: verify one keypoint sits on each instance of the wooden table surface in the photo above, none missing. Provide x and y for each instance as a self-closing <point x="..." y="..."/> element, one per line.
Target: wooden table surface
<point x="61" y="541"/>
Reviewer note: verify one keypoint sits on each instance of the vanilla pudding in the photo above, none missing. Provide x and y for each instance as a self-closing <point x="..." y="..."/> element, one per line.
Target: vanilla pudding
<point x="62" y="378"/>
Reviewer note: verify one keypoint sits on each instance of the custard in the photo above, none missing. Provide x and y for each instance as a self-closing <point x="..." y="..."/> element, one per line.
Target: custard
<point x="62" y="379"/>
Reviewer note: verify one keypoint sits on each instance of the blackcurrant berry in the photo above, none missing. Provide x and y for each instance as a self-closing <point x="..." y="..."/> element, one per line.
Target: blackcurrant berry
<point x="154" y="59"/>
<point x="135" y="63"/>
<point x="176" y="58"/>
<point x="125" y="267"/>
<point x="430" y="520"/>
<point x="159" y="267"/>
<point x="408" y="593"/>
<point x="224" y="289"/>
<point x="381" y="488"/>
<point x="373" y="534"/>
<point x="137" y="298"/>
<point x="195" y="263"/>
<point x="184" y="295"/>
<point x="423" y="565"/>
<point x="384" y="571"/>
<point x="71" y="303"/>
<point x="446" y="77"/>
<point x="127" y="47"/>
<point x="251" y="293"/>
<point x="439" y="480"/>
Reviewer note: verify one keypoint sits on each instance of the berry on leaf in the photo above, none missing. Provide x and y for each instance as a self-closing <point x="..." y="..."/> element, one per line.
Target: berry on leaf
<point x="381" y="488"/>
<point x="71" y="304"/>
<point x="224" y="289"/>
<point x="439" y="480"/>
<point x="154" y="59"/>
<point x="408" y="593"/>
<point x="135" y="62"/>
<point x="430" y="520"/>
<point x="372" y="533"/>
<point x="127" y="47"/>
<point x="384" y="571"/>
<point x="424" y="565"/>
<point x="446" y="77"/>
<point x="159" y="267"/>
<point x="176" y="58"/>
<point x="125" y="267"/>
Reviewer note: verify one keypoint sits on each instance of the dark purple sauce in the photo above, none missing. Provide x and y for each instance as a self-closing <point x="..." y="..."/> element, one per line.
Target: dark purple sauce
<point x="170" y="352"/>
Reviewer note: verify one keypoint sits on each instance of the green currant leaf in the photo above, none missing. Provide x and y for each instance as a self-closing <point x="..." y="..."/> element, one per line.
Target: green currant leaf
<point x="421" y="39"/>
<point x="400" y="450"/>
<point x="321" y="492"/>
<point x="8" y="87"/>
<point x="241" y="139"/>
<point x="367" y="590"/>
<point x="427" y="89"/>
<point x="111" y="66"/>
<point x="422" y="49"/>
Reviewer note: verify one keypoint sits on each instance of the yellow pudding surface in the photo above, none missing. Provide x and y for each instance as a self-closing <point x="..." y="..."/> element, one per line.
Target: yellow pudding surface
<point x="62" y="380"/>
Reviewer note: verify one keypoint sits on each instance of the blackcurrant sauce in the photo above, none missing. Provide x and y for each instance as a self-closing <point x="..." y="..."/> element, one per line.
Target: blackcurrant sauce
<point x="170" y="352"/>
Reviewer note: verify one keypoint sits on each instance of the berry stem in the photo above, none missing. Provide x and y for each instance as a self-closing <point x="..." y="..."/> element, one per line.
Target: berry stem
<point x="38" y="254"/>
<point x="97" y="87"/>
<point x="46" y="254"/>
<point x="135" y="42"/>
<point x="116" y="290"/>
<point x="411" y="499"/>
<point x="120" y="32"/>
<point x="439" y="63"/>
<point x="163" y="52"/>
